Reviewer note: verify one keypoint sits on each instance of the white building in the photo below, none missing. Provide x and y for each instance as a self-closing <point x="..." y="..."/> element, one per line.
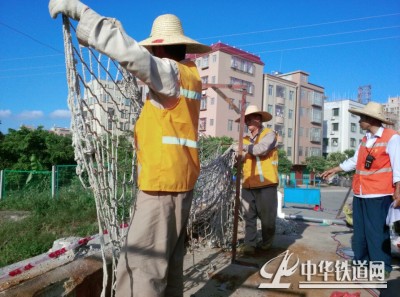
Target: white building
<point x="341" y="128"/>
<point x="392" y="110"/>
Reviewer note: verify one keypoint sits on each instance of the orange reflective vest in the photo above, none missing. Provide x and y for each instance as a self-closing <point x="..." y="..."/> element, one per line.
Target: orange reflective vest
<point x="379" y="178"/>
<point x="260" y="171"/>
<point x="166" y="139"/>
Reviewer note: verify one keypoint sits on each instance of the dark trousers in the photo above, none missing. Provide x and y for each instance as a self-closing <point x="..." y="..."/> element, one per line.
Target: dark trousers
<point x="371" y="238"/>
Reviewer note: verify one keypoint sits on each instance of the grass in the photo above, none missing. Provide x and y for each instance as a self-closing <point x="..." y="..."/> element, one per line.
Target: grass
<point x="72" y="213"/>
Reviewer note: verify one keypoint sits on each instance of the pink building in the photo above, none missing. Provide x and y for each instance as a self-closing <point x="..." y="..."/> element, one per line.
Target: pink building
<point x="227" y="65"/>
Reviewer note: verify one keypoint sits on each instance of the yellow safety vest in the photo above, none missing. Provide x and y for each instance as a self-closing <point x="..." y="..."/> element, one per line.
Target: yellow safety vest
<point x="166" y="139"/>
<point x="260" y="171"/>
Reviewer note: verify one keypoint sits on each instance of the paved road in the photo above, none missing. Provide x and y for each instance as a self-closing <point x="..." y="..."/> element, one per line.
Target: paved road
<point x="332" y="198"/>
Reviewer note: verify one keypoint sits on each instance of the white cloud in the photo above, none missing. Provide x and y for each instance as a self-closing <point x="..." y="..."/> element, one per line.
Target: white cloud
<point x="5" y="113"/>
<point x="60" y="114"/>
<point x="30" y="114"/>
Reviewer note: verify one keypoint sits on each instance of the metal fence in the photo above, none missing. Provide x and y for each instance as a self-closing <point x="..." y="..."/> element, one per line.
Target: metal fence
<point x="14" y="182"/>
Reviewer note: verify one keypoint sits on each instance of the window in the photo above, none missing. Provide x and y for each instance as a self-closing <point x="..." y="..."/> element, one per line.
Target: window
<point x="279" y="111"/>
<point x="110" y="112"/>
<point x="204" y="80"/>
<point x="352" y="142"/>
<point x="242" y="65"/>
<point x="289" y="132"/>
<point x="270" y="90"/>
<point x="353" y="127"/>
<point x="203" y="103"/>
<point x="211" y="122"/>
<point x="230" y="125"/>
<point x="335" y="126"/>
<point x="315" y="134"/>
<point x="270" y="108"/>
<point x="316" y="115"/>
<point x="204" y="62"/>
<point x="280" y="91"/>
<point x="279" y="129"/>
<point x="301" y="131"/>
<point x="214" y="58"/>
<point x="109" y="125"/>
<point x="290" y="113"/>
<point x="335" y="112"/>
<point x="202" y="124"/>
<point x="289" y="151"/>
<point x="300" y="151"/>
<point x="213" y="79"/>
<point x="249" y="85"/>
<point x="335" y="141"/>
<point x="291" y="94"/>
<point x="315" y="151"/>
<point x="212" y="101"/>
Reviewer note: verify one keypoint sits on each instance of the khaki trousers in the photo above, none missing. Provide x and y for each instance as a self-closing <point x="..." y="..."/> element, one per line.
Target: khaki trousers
<point x="151" y="262"/>
<point x="259" y="203"/>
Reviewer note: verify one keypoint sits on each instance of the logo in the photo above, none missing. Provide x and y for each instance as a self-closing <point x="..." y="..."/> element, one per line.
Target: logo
<point x="325" y="274"/>
<point x="283" y="270"/>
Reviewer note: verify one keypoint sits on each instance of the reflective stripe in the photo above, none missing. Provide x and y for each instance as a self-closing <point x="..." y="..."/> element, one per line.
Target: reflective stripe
<point x="190" y="94"/>
<point x="382" y="170"/>
<point x="376" y="144"/>
<point x="260" y="169"/>
<point x="274" y="163"/>
<point x="179" y="141"/>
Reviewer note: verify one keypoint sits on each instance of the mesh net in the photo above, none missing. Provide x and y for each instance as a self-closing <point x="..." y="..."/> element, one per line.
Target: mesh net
<point x="105" y="102"/>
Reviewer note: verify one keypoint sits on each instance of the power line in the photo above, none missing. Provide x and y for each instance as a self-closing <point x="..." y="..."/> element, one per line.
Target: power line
<point x="29" y="75"/>
<point x="329" y="44"/>
<point x="31" y="68"/>
<point x="300" y="26"/>
<point x="30" y="37"/>
<point x="319" y="36"/>
<point x="30" y="57"/>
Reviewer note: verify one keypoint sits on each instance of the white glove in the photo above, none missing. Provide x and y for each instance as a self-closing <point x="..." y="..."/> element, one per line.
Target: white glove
<point x="70" y="8"/>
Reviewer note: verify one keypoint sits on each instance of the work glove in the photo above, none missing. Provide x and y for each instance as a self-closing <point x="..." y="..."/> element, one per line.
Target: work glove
<point x="71" y="8"/>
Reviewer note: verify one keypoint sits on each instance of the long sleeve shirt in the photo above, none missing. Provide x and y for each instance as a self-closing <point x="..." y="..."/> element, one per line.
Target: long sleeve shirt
<point x="264" y="146"/>
<point x="392" y="149"/>
<point x="107" y="36"/>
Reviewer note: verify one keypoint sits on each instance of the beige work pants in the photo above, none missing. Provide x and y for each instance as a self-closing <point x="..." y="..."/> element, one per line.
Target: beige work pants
<point x="151" y="262"/>
<point x="259" y="203"/>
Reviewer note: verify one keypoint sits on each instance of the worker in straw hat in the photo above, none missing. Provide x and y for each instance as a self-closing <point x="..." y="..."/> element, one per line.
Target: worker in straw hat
<point x="376" y="183"/>
<point x="151" y="261"/>
<point x="260" y="180"/>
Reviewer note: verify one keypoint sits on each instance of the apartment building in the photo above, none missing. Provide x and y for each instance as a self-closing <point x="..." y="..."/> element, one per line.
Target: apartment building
<point x="392" y="110"/>
<point x="107" y="108"/>
<point x="341" y="128"/>
<point x="279" y="99"/>
<point x="308" y="116"/>
<point x="222" y="66"/>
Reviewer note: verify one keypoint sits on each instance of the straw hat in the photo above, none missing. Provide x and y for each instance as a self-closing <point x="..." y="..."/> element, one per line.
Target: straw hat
<point x="253" y="109"/>
<point x="373" y="110"/>
<point x="167" y="30"/>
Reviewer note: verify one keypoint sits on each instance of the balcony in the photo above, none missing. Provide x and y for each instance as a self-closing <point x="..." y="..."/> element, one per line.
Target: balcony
<point x="280" y="100"/>
<point x="279" y="120"/>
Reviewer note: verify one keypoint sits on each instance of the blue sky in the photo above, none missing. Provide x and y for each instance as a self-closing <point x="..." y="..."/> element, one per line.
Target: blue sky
<point x="342" y="44"/>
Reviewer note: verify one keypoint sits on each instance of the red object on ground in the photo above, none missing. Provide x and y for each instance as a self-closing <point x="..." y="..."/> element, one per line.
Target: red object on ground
<point x="316" y="207"/>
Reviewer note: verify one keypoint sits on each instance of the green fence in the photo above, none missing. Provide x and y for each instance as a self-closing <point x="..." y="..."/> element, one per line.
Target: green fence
<point x="15" y="182"/>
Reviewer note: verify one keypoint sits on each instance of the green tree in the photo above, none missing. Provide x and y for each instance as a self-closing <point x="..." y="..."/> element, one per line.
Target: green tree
<point x="284" y="164"/>
<point x="316" y="164"/>
<point x="18" y="146"/>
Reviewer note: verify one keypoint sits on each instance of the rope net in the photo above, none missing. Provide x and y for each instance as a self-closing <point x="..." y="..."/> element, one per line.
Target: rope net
<point x="105" y="102"/>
